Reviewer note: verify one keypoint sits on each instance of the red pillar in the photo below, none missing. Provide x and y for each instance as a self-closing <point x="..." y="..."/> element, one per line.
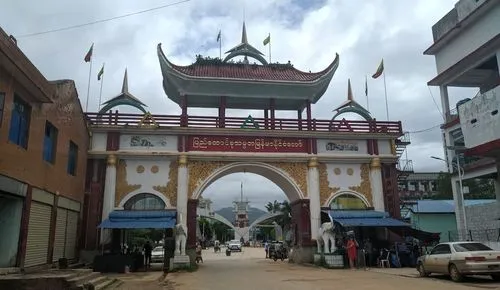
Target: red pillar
<point x="222" y="112"/>
<point x="266" y="119"/>
<point x="301" y="222"/>
<point x="309" y="115"/>
<point x="390" y="186"/>
<point x="191" y="223"/>
<point x="184" y="115"/>
<point x="23" y="235"/>
<point x="272" y="106"/>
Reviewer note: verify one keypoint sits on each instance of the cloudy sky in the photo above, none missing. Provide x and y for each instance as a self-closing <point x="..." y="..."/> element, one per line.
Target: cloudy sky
<point x="306" y="32"/>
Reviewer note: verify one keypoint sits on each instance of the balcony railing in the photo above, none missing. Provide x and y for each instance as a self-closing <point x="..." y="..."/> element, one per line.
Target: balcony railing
<point x="404" y="165"/>
<point x="115" y="119"/>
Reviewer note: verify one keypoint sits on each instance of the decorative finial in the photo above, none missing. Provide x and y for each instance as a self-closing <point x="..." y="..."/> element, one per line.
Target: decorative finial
<point x="349" y="90"/>
<point x="244" y="34"/>
<point x="125" y="83"/>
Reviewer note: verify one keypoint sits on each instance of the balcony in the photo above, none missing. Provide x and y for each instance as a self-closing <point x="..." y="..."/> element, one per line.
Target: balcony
<point x="124" y="120"/>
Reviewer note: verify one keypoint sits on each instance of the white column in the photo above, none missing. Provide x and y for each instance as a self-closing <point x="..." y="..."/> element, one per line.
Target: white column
<point x="108" y="201"/>
<point x="182" y="189"/>
<point x="497" y="180"/>
<point x="376" y="185"/>
<point x="445" y="101"/>
<point x="459" y="213"/>
<point x="314" y="196"/>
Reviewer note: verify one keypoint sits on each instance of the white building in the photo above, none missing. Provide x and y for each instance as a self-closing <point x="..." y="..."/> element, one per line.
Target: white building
<point x="467" y="52"/>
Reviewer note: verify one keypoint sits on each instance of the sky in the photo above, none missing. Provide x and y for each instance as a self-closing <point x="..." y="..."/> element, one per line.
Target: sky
<point x="307" y="33"/>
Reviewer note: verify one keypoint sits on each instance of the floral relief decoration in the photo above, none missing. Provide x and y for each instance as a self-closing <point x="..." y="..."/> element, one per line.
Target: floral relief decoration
<point x="122" y="186"/>
<point x="170" y="189"/>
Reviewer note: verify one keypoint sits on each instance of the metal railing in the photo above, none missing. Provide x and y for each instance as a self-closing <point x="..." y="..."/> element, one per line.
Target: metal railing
<point x="478" y="235"/>
<point x="405" y="165"/>
<point x="115" y="119"/>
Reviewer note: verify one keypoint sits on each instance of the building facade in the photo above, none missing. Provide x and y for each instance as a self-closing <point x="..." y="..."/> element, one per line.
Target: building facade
<point x="419" y="185"/>
<point x="467" y="52"/>
<point x="43" y="145"/>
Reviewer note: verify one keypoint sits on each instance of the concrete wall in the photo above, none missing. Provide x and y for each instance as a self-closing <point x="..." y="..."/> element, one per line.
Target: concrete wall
<point x="480" y="124"/>
<point x="436" y="223"/>
<point x="483" y="221"/>
<point x="469" y="39"/>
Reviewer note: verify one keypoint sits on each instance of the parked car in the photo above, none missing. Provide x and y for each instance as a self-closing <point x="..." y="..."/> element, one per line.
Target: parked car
<point x="459" y="259"/>
<point x="234" y="245"/>
<point x="157" y="255"/>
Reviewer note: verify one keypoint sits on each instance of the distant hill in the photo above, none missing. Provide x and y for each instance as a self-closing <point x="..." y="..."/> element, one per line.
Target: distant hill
<point x="253" y="213"/>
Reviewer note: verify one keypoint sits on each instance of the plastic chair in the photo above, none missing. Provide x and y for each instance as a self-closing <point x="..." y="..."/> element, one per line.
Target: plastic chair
<point x="383" y="262"/>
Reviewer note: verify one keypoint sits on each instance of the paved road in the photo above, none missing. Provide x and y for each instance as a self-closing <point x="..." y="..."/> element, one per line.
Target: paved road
<point x="250" y="271"/>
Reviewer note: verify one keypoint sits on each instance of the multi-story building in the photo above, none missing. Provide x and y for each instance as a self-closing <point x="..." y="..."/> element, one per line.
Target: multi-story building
<point x="43" y="145"/>
<point x="418" y="185"/>
<point x="467" y="52"/>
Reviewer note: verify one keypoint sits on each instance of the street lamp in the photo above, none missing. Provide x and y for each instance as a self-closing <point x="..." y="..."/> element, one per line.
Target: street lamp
<point x="460" y="197"/>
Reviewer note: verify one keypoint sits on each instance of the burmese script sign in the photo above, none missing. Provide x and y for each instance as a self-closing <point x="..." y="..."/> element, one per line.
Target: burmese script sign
<point x="341" y="146"/>
<point x="247" y="144"/>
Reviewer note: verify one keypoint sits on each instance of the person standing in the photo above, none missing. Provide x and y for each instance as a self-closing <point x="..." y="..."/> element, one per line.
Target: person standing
<point x="266" y="248"/>
<point x="148" y="249"/>
<point x="352" y="252"/>
<point x="368" y="252"/>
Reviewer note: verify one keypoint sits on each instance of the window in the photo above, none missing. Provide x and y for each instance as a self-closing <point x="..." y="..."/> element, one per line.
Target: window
<point x="144" y="201"/>
<point x="2" y="104"/>
<point x="441" y="249"/>
<point x="72" y="158"/>
<point x="50" y="143"/>
<point x="471" y="247"/>
<point x="20" y="123"/>
<point x="347" y="201"/>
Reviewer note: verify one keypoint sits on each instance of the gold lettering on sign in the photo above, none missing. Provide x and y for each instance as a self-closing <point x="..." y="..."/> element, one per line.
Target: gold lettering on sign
<point x="199" y="171"/>
<point x="170" y="190"/>
<point x="257" y="144"/>
<point x="122" y="186"/>
<point x="325" y="191"/>
<point x="297" y="171"/>
<point x="364" y="187"/>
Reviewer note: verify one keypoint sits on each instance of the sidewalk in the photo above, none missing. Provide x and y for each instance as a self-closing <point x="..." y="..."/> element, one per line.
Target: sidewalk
<point x="402" y="272"/>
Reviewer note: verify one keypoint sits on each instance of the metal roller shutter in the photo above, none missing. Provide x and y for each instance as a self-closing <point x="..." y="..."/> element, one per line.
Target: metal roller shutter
<point x="60" y="236"/>
<point x="71" y="231"/>
<point x="37" y="243"/>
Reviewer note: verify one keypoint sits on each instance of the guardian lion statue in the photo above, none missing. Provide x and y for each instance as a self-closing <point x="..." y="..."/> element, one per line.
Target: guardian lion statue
<point x="326" y="236"/>
<point x="180" y="238"/>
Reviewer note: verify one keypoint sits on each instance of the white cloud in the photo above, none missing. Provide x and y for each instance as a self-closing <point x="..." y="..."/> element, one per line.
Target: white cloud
<point x="308" y="33"/>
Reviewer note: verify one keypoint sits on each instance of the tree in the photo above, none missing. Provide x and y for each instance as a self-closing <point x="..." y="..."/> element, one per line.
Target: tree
<point x="444" y="186"/>
<point x="283" y="207"/>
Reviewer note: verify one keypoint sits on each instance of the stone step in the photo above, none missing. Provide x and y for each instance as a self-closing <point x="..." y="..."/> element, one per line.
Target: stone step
<point x="104" y="284"/>
<point x="92" y="283"/>
<point x="115" y="285"/>
<point x="82" y="278"/>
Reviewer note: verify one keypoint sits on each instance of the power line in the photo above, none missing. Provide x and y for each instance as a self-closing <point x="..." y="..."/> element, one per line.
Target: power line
<point x="425" y="130"/>
<point x="102" y="20"/>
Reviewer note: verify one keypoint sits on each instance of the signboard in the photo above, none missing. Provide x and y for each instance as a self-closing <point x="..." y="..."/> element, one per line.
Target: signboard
<point x="246" y="144"/>
<point x="342" y="146"/>
<point x="148" y="142"/>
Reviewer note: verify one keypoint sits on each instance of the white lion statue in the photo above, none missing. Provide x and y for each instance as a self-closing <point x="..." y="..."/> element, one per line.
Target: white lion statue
<point x="326" y="236"/>
<point x="180" y="238"/>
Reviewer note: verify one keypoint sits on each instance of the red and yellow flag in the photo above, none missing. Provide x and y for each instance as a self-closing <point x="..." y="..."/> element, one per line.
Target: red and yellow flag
<point x="88" y="56"/>
<point x="380" y="70"/>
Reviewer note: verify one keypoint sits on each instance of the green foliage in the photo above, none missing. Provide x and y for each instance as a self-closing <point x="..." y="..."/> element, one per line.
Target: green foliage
<point x="478" y="188"/>
<point x="139" y="237"/>
<point x="284" y="207"/>
<point x="444" y="186"/>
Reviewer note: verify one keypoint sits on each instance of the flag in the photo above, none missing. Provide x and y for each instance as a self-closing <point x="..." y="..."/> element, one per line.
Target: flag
<point x="366" y="86"/>
<point x="219" y="36"/>
<point x="380" y="70"/>
<point x="101" y="72"/>
<point x="88" y="56"/>
<point x="267" y="40"/>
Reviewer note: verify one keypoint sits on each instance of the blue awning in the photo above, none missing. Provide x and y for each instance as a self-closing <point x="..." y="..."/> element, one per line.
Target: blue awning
<point x="364" y="218"/>
<point x="128" y="219"/>
<point x="371" y="222"/>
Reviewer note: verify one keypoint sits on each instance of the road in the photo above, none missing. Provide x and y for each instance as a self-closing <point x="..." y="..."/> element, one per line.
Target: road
<point x="250" y="271"/>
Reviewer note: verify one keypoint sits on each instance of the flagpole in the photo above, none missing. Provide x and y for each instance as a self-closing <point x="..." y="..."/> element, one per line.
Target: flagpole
<point x="220" y="47"/>
<point x="269" y="47"/>
<point x="366" y="90"/>
<point x="88" y="86"/>
<point x="385" y="92"/>
<point x="100" y="91"/>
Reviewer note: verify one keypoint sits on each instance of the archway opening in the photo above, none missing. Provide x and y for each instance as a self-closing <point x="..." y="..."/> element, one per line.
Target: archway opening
<point x="251" y="196"/>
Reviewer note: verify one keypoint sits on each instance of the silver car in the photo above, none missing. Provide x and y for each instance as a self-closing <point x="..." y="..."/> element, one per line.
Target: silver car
<point x="459" y="259"/>
<point x="157" y="255"/>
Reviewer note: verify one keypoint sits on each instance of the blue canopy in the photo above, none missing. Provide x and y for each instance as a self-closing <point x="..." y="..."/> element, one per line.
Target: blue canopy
<point x="135" y="219"/>
<point x="364" y="218"/>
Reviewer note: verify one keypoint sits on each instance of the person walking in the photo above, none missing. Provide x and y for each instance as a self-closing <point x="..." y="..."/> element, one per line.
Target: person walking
<point x="148" y="249"/>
